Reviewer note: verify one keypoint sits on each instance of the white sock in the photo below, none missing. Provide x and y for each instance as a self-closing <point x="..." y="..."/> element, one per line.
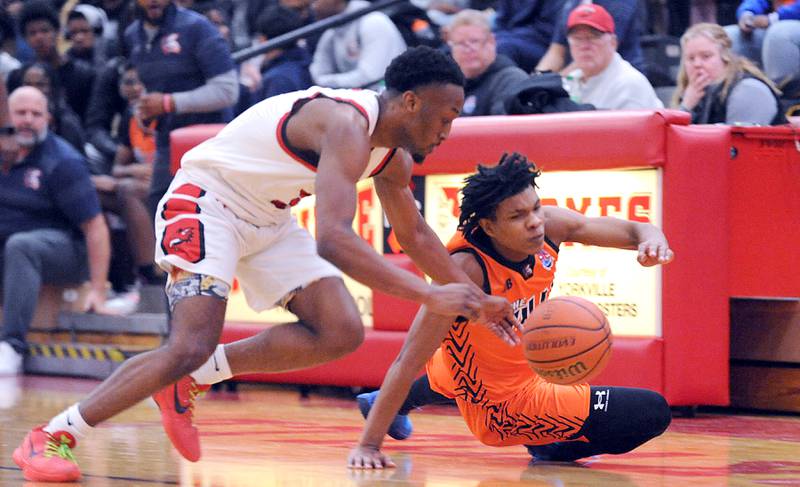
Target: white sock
<point x="216" y="368"/>
<point x="71" y="421"/>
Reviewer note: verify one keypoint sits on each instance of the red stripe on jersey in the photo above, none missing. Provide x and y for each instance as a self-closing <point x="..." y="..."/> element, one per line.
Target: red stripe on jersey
<point x="190" y="190"/>
<point x="178" y="206"/>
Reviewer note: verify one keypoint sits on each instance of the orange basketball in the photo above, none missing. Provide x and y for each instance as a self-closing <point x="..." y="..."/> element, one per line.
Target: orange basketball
<point x="567" y="340"/>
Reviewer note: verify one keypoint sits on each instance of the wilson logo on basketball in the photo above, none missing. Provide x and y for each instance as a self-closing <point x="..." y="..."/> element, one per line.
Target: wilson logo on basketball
<point x="575" y="370"/>
<point x="550" y="344"/>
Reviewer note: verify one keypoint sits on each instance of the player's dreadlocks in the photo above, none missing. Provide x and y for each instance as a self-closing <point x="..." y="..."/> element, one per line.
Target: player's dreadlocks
<point x="420" y="66"/>
<point x="487" y="188"/>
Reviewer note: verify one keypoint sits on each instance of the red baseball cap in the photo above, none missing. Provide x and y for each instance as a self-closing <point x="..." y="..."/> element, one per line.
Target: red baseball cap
<point x="592" y="15"/>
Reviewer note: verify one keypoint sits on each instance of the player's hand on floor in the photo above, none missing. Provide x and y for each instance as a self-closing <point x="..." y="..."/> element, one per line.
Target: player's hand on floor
<point x="654" y="252"/>
<point x="368" y="458"/>
<point x="498" y="315"/>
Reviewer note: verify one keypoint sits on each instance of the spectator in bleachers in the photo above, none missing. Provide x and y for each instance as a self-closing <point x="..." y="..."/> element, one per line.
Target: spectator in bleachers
<point x="717" y="85"/>
<point x="356" y="54"/>
<point x="84" y="29"/>
<point x="20" y="49"/>
<point x="769" y="37"/>
<point x="285" y="69"/>
<point x="627" y="17"/>
<point x="39" y="24"/>
<point x="524" y="28"/>
<point x="8" y="34"/>
<point x="124" y="192"/>
<point x="602" y="78"/>
<point x="63" y="121"/>
<point x="117" y="18"/>
<point x="51" y="227"/>
<point x="190" y="77"/>
<point x="105" y="104"/>
<point x="491" y="77"/>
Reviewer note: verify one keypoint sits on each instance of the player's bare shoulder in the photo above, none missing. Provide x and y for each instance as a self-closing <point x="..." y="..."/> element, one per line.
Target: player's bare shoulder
<point x="323" y="117"/>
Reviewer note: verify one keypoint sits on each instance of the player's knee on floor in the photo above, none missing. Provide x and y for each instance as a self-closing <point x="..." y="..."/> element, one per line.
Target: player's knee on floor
<point x="183" y="284"/>
<point x="662" y="415"/>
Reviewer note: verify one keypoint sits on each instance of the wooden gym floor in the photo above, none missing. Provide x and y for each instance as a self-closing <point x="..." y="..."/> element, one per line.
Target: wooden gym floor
<point x="270" y="436"/>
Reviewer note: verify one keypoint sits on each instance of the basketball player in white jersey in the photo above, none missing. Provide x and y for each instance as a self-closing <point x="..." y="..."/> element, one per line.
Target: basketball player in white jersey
<point x="227" y="213"/>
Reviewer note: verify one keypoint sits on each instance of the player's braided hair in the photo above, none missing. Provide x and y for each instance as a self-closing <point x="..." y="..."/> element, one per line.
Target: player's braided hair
<point x="420" y="66"/>
<point x="488" y="187"/>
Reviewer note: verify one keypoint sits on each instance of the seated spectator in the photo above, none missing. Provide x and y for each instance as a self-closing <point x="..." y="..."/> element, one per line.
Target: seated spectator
<point x="84" y="30"/>
<point x="356" y="54"/>
<point x="105" y="104"/>
<point x="124" y="192"/>
<point x="718" y="86"/>
<point x="63" y="121"/>
<point x="524" y="28"/>
<point x="40" y="25"/>
<point x="190" y="79"/>
<point x="491" y="77"/>
<point x="285" y="69"/>
<point x="627" y="27"/>
<point x="602" y="78"/>
<point x="51" y="227"/>
<point x="770" y="38"/>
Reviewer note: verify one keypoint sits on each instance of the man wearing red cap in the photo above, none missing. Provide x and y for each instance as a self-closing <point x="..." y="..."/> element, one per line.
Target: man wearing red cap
<point x="602" y="77"/>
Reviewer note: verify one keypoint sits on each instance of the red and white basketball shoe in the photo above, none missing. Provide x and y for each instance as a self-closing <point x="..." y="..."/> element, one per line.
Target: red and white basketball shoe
<point x="176" y="403"/>
<point x="45" y="457"/>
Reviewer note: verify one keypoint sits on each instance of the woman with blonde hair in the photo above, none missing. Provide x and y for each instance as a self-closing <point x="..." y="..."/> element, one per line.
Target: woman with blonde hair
<point x="718" y="86"/>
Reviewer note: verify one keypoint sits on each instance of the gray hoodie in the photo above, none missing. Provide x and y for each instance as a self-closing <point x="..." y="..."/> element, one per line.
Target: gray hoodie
<point x="355" y="55"/>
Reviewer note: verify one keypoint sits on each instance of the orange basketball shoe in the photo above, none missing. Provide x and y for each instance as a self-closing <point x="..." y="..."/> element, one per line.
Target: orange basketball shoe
<point x="176" y="403"/>
<point x="47" y="458"/>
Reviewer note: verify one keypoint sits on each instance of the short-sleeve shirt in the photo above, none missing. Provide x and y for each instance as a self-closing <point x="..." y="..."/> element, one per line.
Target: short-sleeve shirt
<point x="50" y="188"/>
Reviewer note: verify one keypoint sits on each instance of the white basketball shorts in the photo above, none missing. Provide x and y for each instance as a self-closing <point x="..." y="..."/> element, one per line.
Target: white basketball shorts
<point x="197" y="233"/>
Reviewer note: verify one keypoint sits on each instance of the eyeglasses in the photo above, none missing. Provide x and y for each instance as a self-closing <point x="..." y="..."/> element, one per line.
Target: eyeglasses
<point x="586" y="37"/>
<point x="468" y="43"/>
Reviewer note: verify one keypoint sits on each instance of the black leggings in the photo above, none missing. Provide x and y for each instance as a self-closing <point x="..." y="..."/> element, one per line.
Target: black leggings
<point x="620" y="419"/>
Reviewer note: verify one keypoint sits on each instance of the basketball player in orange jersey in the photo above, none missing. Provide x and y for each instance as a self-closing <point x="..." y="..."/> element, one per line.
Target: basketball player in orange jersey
<point x="508" y="244"/>
<point x="227" y="213"/>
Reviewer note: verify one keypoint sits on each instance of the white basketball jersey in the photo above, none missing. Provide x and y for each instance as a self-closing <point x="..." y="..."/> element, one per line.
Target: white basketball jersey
<point x="252" y="168"/>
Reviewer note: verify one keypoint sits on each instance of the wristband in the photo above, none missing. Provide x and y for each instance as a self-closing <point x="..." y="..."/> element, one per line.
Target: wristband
<point x="169" y="104"/>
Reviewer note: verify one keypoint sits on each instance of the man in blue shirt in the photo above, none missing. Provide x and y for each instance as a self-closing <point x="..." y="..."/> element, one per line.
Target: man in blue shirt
<point x="51" y="227"/>
<point x="187" y="69"/>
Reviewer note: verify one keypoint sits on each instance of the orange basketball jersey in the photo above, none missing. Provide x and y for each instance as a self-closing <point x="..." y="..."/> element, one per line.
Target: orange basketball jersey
<point x="502" y="400"/>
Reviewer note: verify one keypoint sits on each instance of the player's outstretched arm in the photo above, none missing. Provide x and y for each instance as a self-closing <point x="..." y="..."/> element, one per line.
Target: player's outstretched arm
<point x="423" y="339"/>
<point x="426" y="250"/>
<point x="565" y="225"/>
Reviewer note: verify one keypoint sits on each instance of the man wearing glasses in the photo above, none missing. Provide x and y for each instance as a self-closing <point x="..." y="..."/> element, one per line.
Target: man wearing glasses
<point x="491" y="77"/>
<point x="602" y="78"/>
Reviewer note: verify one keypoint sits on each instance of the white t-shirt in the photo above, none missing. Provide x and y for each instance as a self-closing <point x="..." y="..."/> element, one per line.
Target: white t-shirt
<point x="254" y="171"/>
<point x="619" y="86"/>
